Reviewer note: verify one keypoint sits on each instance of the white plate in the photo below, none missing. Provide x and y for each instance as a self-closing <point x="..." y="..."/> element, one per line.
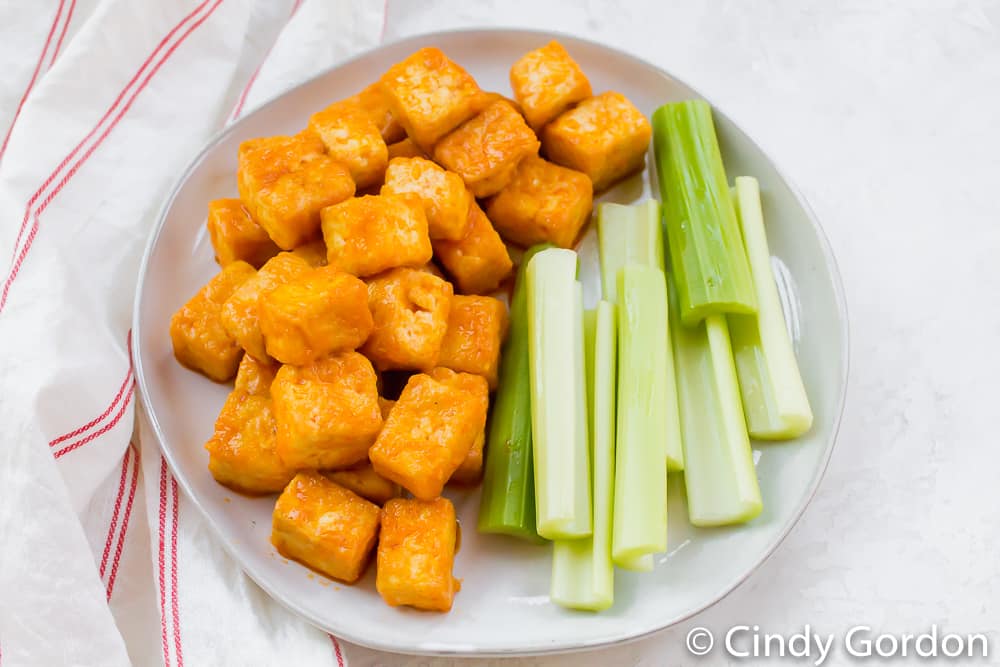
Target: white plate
<point x="503" y="607"/>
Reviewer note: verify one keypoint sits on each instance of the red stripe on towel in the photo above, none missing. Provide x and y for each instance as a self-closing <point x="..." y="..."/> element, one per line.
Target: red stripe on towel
<point x="62" y="35"/>
<point x="125" y="520"/>
<point x="29" y="240"/>
<point x="34" y="77"/>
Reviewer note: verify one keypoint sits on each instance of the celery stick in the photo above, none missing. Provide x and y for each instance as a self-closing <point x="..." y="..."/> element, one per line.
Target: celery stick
<point x="508" y="498"/>
<point x="628" y="235"/>
<point x="719" y="473"/>
<point x="582" y="572"/>
<point x="643" y="563"/>
<point x="640" y="509"/>
<point x="558" y="396"/>
<point x="774" y="397"/>
<point x="706" y="250"/>
<point x="634" y="235"/>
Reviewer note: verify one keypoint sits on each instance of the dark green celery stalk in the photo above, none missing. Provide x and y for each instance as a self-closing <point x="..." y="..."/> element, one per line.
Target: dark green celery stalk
<point x="703" y="234"/>
<point x="508" y="498"/>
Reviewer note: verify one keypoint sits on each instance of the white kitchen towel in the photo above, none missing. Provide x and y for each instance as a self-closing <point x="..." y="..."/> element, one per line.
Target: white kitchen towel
<point x="103" y="103"/>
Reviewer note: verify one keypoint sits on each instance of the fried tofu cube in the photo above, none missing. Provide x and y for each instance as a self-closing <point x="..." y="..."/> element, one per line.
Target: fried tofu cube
<point x="479" y="262"/>
<point x="313" y="252"/>
<point x="442" y="194"/>
<point x="491" y="97"/>
<point x="486" y="149"/>
<point x="325" y="527"/>
<point x="353" y="139"/>
<point x="200" y="340"/>
<point x="430" y="95"/>
<point x="255" y="377"/>
<point x="429" y="432"/>
<point x="364" y="481"/>
<point x="236" y="236"/>
<point x="410" y="309"/>
<point x="432" y="268"/>
<point x="477" y="326"/>
<point x="469" y="383"/>
<point x="605" y="137"/>
<point x="471" y="470"/>
<point x="327" y="412"/>
<point x="285" y="182"/>
<point x="374" y="102"/>
<point x="318" y="313"/>
<point x="241" y="452"/>
<point x="370" y="234"/>
<point x="416" y="553"/>
<point x="543" y="203"/>
<point x="240" y="312"/>
<point x="546" y="82"/>
<point x="405" y="148"/>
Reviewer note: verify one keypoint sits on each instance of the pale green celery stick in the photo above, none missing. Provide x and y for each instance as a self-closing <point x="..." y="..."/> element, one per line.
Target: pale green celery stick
<point x="634" y="235"/>
<point x="558" y="396"/>
<point x="508" y="498"/>
<point x="706" y="250"/>
<point x="719" y="473"/>
<point x="628" y="235"/>
<point x="643" y="563"/>
<point x="774" y="397"/>
<point x="640" y="507"/>
<point x="582" y="572"/>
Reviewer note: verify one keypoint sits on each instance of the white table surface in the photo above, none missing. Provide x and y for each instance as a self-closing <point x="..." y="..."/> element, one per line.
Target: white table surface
<point x="887" y="116"/>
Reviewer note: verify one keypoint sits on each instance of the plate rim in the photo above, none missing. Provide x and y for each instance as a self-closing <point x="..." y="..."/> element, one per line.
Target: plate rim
<point x="149" y="417"/>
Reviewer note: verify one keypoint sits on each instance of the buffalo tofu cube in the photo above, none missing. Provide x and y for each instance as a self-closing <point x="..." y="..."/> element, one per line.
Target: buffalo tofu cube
<point x="201" y="341"/>
<point x="410" y="309"/>
<point x="364" y="481"/>
<point x="476" y="329"/>
<point x="370" y="234"/>
<point x="327" y="412"/>
<point x="325" y="527"/>
<point x="313" y="252"/>
<point x="491" y="97"/>
<point x="236" y="236"/>
<point x="241" y="452"/>
<point x="255" y="377"/>
<point x="353" y="139"/>
<point x="432" y="269"/>
<point x="471" y="470"/>
<point x="442" y="194"/>
<point x="479" y="261"/>
<point x="374" y="102"/>
<point x="605" y="137"/>
<point x="416" y="553"/>
<point x="546" y="82"/>
<point x="429" y="432"/>
<point x="240" y="313"/>
<point x="430" y="95"/>
<point x="321" y="312"/>
<point x="286" y="181"/>
<point x="486" y="149"/>
<point x="405" y="148"/>
<point x="543" y="203"/>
